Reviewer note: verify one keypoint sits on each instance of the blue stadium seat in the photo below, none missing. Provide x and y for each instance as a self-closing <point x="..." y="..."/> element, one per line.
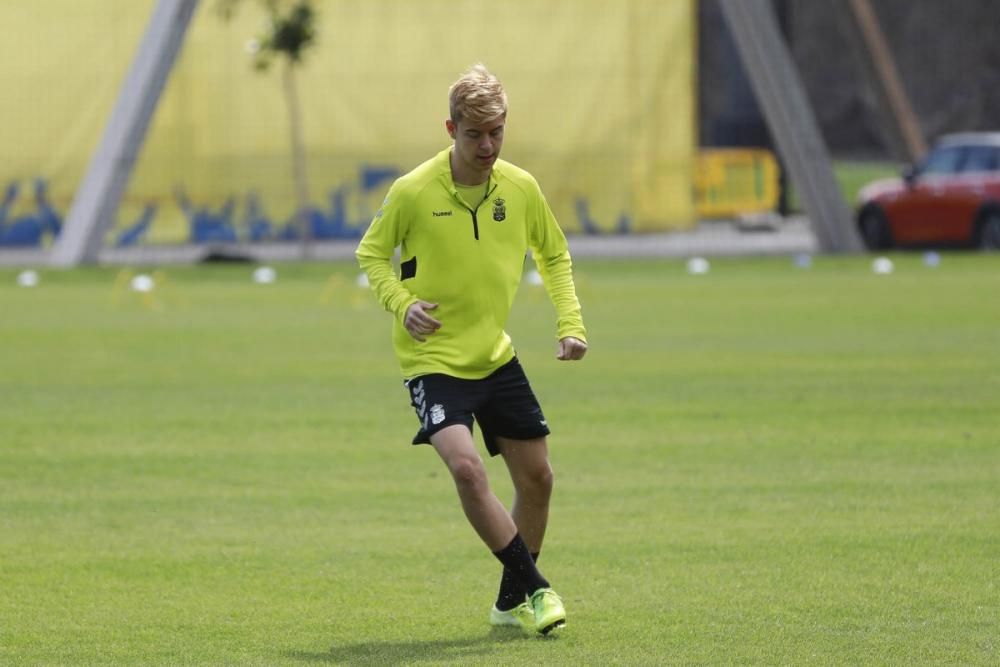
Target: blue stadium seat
<point x="587" y="224"/>
<point x="134" y="234"/>
<point x="24" y="232"/>
<point x="48" y="217"/>
<point x="373" y="176"/>
<point x="205" y="225"/>
<point x="258" y="226"/>
<point x="10" y="196"/>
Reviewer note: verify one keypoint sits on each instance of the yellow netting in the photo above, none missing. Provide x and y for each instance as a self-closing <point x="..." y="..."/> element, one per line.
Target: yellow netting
<point x="601" y="103"/>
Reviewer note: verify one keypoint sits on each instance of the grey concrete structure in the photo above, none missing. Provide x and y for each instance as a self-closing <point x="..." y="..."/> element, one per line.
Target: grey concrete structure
<point x="96" y="202"/>
<point x="790" y="118"/>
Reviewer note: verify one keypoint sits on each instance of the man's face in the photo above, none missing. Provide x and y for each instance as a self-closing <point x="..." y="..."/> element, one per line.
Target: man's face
<point x="477" y="147"/>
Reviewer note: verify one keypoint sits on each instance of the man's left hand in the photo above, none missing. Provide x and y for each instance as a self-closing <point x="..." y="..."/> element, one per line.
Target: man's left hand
<point x="571" y="349"/>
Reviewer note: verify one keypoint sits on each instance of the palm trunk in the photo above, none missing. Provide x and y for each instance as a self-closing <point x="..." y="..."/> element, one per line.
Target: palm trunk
<point x="298" y="156"/>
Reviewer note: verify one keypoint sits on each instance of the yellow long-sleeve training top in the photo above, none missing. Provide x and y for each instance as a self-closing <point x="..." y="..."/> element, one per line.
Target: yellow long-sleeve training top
<point x="468" y="259"/>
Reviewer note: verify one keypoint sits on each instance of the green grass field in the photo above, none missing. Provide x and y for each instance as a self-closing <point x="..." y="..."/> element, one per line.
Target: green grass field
<point x="761" y="465"/>
<point x="851" y="176"/>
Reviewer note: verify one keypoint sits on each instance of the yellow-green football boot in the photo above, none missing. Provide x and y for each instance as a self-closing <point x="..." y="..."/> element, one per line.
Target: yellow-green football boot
<point x="522" y="616"/>
<point x="549" y="612"/>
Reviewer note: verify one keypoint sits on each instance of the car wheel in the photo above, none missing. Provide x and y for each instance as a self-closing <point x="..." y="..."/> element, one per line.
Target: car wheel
<point x="988" y="232"/>
<point x="874" y="230"/>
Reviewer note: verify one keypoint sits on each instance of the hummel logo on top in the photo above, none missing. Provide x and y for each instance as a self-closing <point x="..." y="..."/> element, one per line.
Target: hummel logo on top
<point x="440" y="214"/>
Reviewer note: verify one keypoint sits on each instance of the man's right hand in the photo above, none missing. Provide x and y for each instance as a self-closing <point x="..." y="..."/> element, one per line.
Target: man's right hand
<point x="418" y="322"/>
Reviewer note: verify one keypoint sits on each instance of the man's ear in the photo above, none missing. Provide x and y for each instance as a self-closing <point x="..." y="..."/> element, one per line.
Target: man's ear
<point x="451" y="127"/>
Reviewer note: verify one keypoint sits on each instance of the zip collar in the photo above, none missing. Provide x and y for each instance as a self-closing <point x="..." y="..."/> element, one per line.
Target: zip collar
<point x="491" y="186"/>
<point x="474" y="211"/>
<point x="444" y="167"/>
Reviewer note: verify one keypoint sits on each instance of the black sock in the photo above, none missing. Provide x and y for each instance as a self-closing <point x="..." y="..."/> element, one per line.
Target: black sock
<point x="521" y="565"/>
<point x="512" y="593"/>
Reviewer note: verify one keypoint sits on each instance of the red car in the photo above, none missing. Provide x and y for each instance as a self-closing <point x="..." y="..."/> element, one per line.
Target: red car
<point x="951" y="199"/>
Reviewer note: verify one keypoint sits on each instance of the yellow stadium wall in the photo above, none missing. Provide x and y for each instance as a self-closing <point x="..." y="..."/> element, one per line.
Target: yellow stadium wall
<point x="601" y="102"/>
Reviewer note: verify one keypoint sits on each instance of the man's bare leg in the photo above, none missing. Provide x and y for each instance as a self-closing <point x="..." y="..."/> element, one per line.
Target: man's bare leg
<point x="484" y="510"/>
<point x="528" y="464"/>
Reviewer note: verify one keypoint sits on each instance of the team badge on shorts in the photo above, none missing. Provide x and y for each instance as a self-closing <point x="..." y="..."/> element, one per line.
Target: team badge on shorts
<point x="437" y="413"/>
<point x="499" y="210"/>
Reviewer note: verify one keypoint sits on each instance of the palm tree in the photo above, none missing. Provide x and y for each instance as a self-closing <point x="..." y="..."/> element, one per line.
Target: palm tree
<point x="290" y="31"/>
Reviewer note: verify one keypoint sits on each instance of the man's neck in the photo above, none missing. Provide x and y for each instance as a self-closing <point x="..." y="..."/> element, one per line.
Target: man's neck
<point x="470" y="178"/>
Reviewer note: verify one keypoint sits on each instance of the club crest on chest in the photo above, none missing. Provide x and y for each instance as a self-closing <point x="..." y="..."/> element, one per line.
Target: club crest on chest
<point x="499" y="210"/>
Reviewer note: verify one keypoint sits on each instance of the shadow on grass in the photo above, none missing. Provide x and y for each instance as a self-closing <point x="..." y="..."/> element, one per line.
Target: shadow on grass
<point x="392" y="653"/>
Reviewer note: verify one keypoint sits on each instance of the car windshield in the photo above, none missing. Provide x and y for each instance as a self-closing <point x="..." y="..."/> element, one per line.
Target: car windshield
<point x="944" y="160"/>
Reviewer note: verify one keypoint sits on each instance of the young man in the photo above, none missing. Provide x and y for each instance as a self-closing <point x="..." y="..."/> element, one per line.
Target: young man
<point x="464" y="221"/>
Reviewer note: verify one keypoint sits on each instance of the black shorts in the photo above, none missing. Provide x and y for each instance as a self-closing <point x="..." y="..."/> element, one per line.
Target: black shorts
<point x="501" y="402"/>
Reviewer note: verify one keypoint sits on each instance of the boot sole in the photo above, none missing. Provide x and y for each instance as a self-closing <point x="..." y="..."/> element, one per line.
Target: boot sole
<point x="553" y="628"/>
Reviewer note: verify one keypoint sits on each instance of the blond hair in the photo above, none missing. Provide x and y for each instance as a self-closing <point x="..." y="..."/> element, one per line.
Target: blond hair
<point x="477" y="96"/>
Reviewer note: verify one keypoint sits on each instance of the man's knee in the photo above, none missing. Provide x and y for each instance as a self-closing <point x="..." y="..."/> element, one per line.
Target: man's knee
<point x="536" y="480"/>
<point x="543" y="478"/>
<point x="468" y="471"/>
